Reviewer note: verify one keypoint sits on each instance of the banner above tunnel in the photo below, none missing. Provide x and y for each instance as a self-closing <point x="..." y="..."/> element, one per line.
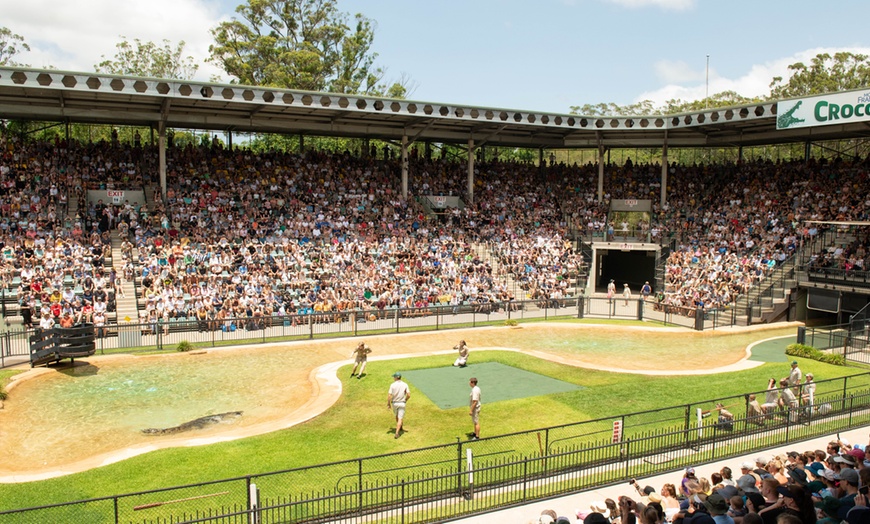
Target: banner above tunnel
<point x="837" y="108"/>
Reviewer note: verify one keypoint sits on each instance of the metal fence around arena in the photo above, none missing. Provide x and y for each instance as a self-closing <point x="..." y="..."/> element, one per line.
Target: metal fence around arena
<point x="851" y="340"/>
<point x="464" y="478"/>
<point x="161" y="335"/>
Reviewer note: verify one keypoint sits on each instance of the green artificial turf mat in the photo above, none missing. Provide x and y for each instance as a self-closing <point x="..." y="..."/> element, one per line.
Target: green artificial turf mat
<point x="448" y="387"/>
<point x="772" y="350"/>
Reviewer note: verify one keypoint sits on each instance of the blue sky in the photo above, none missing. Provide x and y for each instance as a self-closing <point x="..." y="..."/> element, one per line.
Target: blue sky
<point x="545" y="55"/>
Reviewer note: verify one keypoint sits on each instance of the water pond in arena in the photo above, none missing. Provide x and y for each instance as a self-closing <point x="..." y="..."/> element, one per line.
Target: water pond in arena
<point x="73" y="418"/>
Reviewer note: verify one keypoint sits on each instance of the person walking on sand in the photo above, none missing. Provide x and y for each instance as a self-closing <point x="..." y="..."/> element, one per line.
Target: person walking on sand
<point x="397" y="397"/>
<point x="462" y="360"/>
<point x="645" y="291"/>
<point x="474" y="407"/>
<point x="360" y="355"/>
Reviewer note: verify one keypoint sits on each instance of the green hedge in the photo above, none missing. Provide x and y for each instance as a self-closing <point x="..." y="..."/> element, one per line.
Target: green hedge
<point x="804" y="351"/>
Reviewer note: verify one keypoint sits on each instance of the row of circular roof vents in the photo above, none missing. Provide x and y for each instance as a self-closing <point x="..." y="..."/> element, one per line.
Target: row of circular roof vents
<point x="230" y="93"/>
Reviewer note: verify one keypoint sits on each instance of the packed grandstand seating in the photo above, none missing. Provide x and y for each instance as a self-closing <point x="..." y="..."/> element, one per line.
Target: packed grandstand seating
<point x="253" y="236"/>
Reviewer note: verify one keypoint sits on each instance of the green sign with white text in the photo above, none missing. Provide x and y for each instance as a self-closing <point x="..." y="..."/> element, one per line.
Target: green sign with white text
<point x="823" y="110"/>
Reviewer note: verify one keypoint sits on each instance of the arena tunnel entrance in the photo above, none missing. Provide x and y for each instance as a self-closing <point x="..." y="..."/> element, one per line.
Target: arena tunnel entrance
<point x="625" y="266"/>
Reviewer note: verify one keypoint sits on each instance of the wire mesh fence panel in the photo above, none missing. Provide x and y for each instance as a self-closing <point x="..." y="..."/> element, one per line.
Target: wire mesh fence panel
<point x="339" y="477"/>
<point x="584" y="433"/>
<point x="601" y="307"/>
<point x="183" y="503"/>
<point x="674" y="417"/>
<point x="827" y="338"/>
<point x="167" y="333"/>
<point x="101" y="510"/>
<point x="413" y="462"/>
<point x="669" y="314"/>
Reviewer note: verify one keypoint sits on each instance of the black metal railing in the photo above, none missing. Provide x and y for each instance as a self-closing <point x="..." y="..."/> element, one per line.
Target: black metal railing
<point x="465" y="478"/>
<point x="166" y="334"/>
<point x="833" y="275"/>
<point x="851" y="340"/>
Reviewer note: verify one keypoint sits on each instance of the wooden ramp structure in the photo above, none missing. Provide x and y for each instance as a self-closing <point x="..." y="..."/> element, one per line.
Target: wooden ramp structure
<point x="57" y="343"/>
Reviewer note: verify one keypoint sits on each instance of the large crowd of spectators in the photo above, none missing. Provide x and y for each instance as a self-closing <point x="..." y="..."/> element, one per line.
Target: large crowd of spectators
<point x="252" y="235"/>
<point x="794" y="487"/>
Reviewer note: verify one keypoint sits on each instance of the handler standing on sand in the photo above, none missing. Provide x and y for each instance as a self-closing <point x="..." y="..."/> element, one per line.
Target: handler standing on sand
<point x="396" y="399"/>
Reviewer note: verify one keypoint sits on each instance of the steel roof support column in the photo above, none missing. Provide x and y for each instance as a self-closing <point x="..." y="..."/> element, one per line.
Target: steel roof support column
<point x="470" y="189"/>
<point x="161" y="148"/>
<point x="664" y="191"/>
<point x="230" y="140"/>
<point x="404" y="166"/>
<point x="601" y="150"/>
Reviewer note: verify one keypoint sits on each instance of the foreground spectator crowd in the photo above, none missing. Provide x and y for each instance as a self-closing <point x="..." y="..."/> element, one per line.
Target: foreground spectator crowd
<point x="798" y="487"/>
<point x="251" y="236"/>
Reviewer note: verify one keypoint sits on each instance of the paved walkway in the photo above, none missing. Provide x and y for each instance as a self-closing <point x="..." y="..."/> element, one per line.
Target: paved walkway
<point x="569" y="504"/>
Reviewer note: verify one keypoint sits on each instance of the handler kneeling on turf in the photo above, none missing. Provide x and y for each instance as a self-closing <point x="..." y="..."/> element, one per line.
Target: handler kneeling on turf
<point x="462" y="360"/>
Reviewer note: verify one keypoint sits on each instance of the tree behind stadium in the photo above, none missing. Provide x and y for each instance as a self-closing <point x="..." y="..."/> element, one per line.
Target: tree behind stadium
<point x="148" y="59"/>
<point x="10" y="45"/>
<point x="300" y="44"/>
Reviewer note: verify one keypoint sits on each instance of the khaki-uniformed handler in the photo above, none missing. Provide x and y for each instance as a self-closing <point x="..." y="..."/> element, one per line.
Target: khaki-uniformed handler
<point x="397" y="397"/>
<point x="360" y="355"/>
<point x="474" y="407"/>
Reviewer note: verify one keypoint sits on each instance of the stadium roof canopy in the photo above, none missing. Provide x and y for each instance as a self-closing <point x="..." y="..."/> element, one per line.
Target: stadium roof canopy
<point x="62" y="96"/>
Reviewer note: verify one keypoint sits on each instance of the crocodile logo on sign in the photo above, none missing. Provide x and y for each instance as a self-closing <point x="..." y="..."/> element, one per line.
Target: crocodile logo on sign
<point x="786" y="119"/>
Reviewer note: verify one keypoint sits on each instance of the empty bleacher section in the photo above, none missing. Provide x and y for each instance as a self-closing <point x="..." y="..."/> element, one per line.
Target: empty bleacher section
<point x="244" y="239"/>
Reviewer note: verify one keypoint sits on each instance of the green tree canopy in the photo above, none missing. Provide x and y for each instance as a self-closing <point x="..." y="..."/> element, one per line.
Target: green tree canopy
<point x="824" y="74"/>
<point x="10" y="45"/>
<point x="300" y="44"/>
<point x="723" y="99"/>
<point x="647" y="107"/>
<point x="140" y="58"/>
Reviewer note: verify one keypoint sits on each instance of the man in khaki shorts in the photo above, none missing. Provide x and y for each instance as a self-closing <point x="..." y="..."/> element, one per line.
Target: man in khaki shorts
<point x="396" y="399"/>
<point x="474" y="407"/>
<point x="360" y="356"/>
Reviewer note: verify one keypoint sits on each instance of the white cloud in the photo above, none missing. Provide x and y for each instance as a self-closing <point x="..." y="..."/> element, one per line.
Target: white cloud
<point x="755" y="82"/>
<point x="76" y="35"/>
<point x="677" y="72"/>
<point x="672" y="5"/>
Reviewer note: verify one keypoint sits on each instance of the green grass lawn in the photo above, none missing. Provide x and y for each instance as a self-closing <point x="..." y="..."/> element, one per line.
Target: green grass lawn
<point x="5" y="375"/>
<point x="360" y="424"/>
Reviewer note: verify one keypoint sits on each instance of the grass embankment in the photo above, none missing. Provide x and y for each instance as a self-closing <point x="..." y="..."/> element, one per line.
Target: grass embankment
<point x="5" y="376"/>
<point x="360" y="425"/>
